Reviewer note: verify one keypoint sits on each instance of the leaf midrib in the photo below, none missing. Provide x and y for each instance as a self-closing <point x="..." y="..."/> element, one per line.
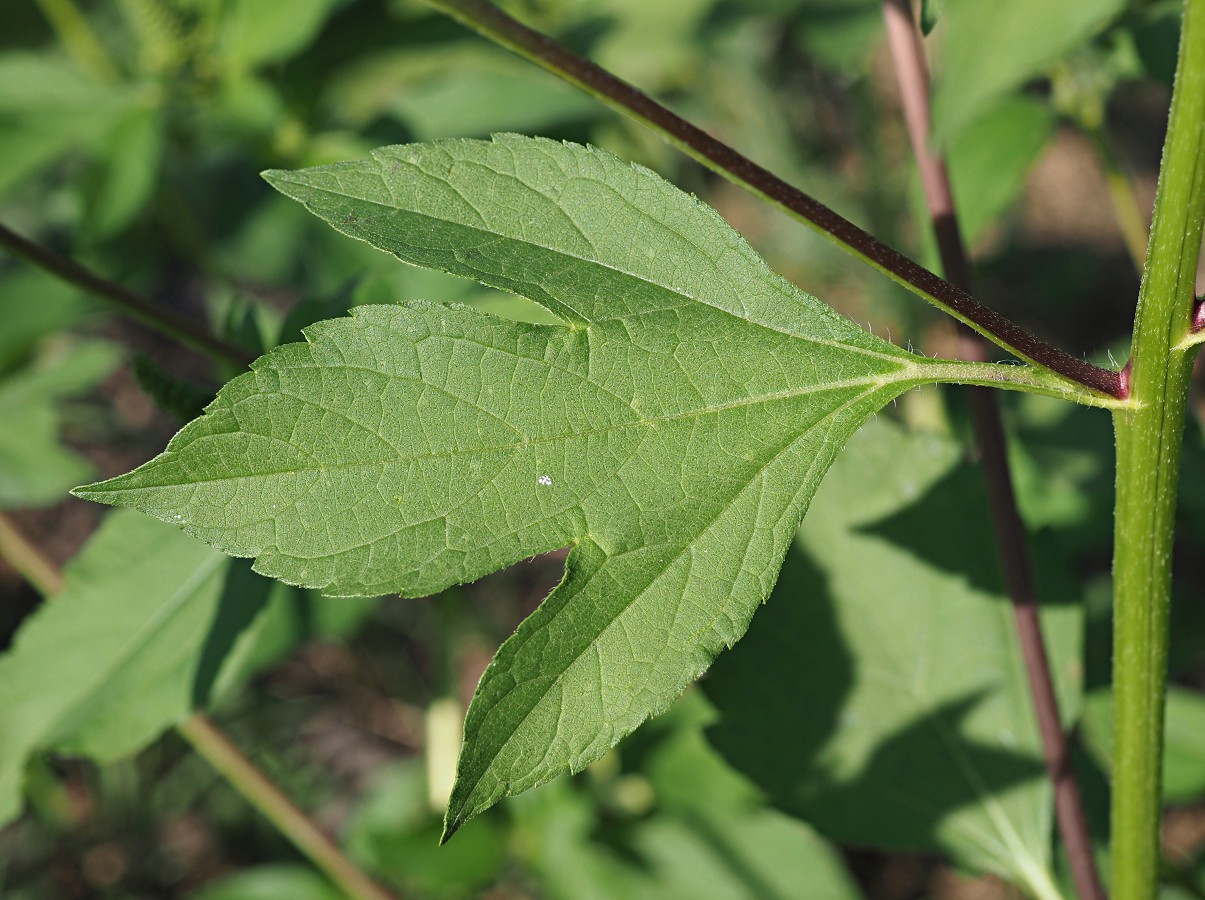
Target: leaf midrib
<point x="878" y="381"/>
<point x="1007" y="845"/>
<point x="686" y="545"/>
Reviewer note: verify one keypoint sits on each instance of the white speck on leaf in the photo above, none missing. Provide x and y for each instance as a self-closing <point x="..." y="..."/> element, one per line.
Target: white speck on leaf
<point x="544" y="480"/>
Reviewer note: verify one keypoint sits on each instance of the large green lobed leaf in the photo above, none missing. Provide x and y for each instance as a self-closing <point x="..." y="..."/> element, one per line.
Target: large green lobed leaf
<point x="672" y="432"/>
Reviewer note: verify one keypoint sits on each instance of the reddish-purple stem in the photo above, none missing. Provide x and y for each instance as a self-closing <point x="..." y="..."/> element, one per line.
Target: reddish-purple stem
<point x="498" y="26"/>
<point x="162" y="320"/>
<point x="1011" y="543"/>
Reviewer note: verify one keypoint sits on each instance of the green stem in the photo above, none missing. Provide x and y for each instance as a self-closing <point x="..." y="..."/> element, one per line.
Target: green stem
<point x="1149" y="438"/>
<point x="245" y="778"/>
<point x="78" y="38"/>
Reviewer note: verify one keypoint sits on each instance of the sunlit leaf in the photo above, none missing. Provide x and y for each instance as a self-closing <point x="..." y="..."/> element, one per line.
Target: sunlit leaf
<point x="672" y="432"/>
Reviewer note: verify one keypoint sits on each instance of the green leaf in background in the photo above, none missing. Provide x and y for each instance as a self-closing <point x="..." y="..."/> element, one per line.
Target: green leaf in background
<point x="395" y="835"/>
<point x="990" y="158"/>
<point x="892" y="707"/>
<point x="1184" y="744"/>
<point x="987" y="49"/>
<point x="842" y="36"/>
<point x="47" y="107"/>
<point x="463" y="90"/>
<point x="930" y="12"/>
<point x="35" y="468"/>
<point x="1156" y="31"/>
<point x="253" y="33"/>
<point x="708" y="833"/>
<point x="289" y="619"/>
<point x="137" y="639"/>
<point x="126" y="172"/>
<point x="555" y="833"/>
<point x="1188" y="883"/>
<point x="716" y="837"/>
<point x="654" y="45"/>
<point x="171" y="394"/>
<point x="33" y="305"/>
<point x="672" y="432"/>
<point x="296" y="882"/>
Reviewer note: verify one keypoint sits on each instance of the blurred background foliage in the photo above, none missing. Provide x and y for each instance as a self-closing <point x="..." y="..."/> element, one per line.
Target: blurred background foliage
<point x="875" y="718"/>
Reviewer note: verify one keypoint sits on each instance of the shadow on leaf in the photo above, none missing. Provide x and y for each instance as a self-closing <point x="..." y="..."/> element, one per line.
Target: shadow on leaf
<point x="946" y="529"/>
<point x="796" y="663"/>
<point x="244" y="594"/>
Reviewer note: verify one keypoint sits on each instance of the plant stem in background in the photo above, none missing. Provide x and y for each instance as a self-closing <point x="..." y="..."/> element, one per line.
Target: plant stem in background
<point x="266" y="797"/>
<point x="1130" y="220"/>
<point x="78" y="37"/>
<point x="23" y="556"/>
<point x="727" y="162"/>
<point x="1149" y="438"/>
<point x="161" y="320"/>
<point x="1012" y="547"/>
<point x="209" y="741"/>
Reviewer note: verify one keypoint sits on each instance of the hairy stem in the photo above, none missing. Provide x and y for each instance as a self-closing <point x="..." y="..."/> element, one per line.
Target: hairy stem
<point x="1012" y="547"/>
<point x="123" y="299"/>
<point x="1008" y="377"/>
<point x="1149" y="438"/>
<point x="209" y="741"/>
<point x="727" y="162"/>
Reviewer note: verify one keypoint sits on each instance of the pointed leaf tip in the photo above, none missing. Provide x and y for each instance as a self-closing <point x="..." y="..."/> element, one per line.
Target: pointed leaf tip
<point x="412" y="447"/>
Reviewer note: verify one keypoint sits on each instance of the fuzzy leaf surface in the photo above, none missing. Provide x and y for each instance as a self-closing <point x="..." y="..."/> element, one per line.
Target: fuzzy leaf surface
<point x="672" y="432"/>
